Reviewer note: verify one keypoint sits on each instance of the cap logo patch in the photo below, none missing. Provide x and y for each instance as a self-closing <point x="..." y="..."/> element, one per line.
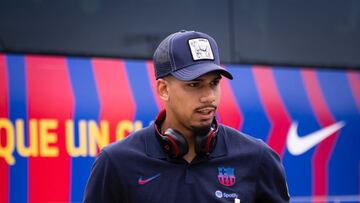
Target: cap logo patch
<point x="200" y="49"/>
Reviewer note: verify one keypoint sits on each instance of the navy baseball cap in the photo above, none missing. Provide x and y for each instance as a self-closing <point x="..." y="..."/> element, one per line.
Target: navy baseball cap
<point x="187" y="55"/>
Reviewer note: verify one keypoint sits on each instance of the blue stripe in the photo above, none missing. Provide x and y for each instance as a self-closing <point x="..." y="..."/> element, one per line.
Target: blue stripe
<point x="293" y="94"/>
<point x="146" y="108"/>
<point x="18" y="110"/>
<point x="244" y="88"/>
<point x="344" y="162"/>
<point x="87" y="107"/>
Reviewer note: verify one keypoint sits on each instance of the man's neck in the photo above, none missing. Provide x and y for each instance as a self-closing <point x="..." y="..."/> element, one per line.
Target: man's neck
<point x="191" y="153"/>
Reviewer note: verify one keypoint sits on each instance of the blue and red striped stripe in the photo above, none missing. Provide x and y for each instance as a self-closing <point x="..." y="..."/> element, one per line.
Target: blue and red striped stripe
<point x="324" y="116"/>
<point x="115" y="96"/>
<point x="49" y="96"/>
<point x="146" y="107"/>
<point x="247" y="97"/>
<point x="343" y="153"/>
<point x="293" y="94"/>
<point x="86" y="108"/>
<point x="19" y="174"/>
<point x="229" y="112"/>
<point x="4" y="113"/>
<point x="152" y="80"/>
<point x="354" y="80"/>
<point x="274" y="108"/>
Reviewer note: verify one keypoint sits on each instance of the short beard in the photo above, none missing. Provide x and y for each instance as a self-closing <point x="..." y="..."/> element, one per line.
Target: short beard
<point x="201" y="131"/>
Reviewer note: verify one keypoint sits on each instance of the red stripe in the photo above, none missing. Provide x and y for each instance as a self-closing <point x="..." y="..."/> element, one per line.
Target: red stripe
<point x="49" y="97"/>
<point x="324" y="149"/>
<point x="151" y="74"/>
<point x="229" y="112"/>
<point x="354" y="81"/>
<point x="274" y="108"/>
<point x="4" y="113"/>
<point x="115" y="96"/>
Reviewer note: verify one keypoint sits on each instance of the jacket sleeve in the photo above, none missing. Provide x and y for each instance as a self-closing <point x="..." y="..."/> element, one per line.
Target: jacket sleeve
<point x="271" y="184"/>
<point x="103" y="183"/>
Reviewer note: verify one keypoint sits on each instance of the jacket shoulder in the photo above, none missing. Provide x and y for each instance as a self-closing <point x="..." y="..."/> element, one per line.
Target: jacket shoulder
<point x="235" y="138"/>
<point x="135" y="142"/>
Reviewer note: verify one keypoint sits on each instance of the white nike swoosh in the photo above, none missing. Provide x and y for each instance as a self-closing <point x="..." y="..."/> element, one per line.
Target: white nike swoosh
<point x="298" y="145"/>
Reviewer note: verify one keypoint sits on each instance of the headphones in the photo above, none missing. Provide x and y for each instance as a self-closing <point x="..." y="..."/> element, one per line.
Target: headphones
<point x="175" y="144"/>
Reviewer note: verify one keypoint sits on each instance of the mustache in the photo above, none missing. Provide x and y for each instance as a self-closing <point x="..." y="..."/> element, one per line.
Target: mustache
<point x="206" y="106"/>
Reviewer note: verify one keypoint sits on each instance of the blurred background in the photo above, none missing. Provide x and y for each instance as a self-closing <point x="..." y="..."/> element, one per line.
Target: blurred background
<point x="76" y="75"/>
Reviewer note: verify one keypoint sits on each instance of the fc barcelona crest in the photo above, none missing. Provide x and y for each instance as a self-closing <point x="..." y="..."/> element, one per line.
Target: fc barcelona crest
<point x="226" y="176"/>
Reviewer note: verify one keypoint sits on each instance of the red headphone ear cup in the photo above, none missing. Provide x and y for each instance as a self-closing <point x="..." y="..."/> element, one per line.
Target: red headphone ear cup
<point x="204" y="144"/>
<point x="178" y="144"/>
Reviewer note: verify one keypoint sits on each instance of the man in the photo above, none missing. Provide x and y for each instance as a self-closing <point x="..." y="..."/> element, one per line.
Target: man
<point x="185" y="155"/>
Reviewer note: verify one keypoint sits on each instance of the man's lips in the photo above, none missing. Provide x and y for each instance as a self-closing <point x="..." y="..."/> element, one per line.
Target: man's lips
<point x="206" y="112"/>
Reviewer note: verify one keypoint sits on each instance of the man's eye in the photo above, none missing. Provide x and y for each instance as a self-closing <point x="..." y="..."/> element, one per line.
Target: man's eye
<point x="193" y="84"/>
<point x="214" y="83"/>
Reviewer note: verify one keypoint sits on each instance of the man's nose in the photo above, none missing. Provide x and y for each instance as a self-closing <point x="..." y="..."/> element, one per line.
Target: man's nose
<point x="208" y="96"/>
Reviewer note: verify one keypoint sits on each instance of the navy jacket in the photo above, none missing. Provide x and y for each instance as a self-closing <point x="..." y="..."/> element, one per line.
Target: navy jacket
<point x="136" y="169"/>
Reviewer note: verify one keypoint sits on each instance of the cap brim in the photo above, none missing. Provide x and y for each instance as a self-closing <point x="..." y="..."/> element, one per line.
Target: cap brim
<point x="195" y="71"/>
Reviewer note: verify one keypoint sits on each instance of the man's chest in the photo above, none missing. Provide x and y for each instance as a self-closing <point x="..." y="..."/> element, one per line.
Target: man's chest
<point x="210" y="182"/>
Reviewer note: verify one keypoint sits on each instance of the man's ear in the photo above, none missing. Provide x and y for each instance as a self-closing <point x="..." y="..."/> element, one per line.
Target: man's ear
<point x="162" y="89"/>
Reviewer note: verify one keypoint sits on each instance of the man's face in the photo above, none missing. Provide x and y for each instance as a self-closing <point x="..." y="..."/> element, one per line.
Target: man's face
<point x="191" y="105"/>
